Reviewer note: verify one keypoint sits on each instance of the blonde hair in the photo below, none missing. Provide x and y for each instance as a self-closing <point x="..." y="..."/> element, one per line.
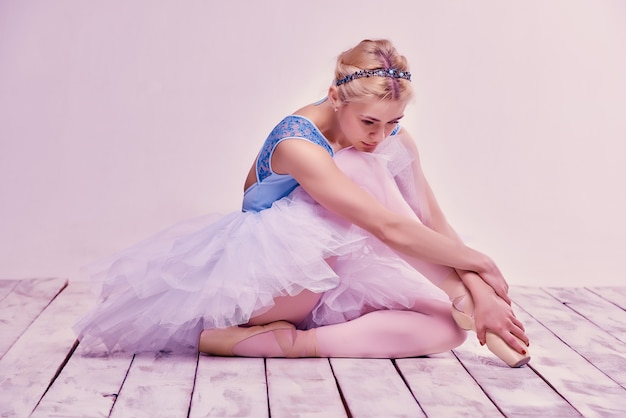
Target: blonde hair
<point x="372" y="55"/>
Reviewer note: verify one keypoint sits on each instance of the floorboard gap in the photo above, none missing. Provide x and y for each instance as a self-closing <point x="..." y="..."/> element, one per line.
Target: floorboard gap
<point x="193" y="385"/>
<point x="479" y="385"/>
<point x="552" y="387"/>
<point x="57" y="372"/>
<point x="117" y="395"/>
<point x="395" y="365"/>
<point x="590" y="290"/>
<point x="343" y="399"/>
<point x="267" y="389"/>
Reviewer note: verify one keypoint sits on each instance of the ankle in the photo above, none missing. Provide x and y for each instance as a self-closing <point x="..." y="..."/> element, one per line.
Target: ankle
<point x="265" y="344"/>
<point x="298" y="343"/>
<point x="464" y="304"/>
<point x="280" y="342"/>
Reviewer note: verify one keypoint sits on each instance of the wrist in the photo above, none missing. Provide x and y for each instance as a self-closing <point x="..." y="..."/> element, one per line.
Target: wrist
<point x="475" y="284"/>
<point x="477" y="261"/>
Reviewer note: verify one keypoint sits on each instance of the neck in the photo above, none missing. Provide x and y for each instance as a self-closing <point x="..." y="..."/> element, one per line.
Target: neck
<point x="329" y="125"/>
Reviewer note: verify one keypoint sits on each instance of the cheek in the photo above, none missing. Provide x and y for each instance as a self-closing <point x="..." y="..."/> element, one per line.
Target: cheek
<point x="353" y="128"/>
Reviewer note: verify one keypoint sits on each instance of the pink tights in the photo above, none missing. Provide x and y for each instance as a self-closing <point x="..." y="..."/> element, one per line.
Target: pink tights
<point x="378" y="334"/>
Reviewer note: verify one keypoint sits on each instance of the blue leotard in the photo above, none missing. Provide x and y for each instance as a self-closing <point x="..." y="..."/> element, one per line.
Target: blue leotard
<point x="271" y="186"/>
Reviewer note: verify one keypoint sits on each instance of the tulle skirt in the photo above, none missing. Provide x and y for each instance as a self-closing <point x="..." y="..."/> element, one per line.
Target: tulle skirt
<point x="220" y="270"/>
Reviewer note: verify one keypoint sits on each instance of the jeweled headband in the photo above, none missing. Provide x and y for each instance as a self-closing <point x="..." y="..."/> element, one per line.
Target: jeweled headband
<point x="382" y="72"/>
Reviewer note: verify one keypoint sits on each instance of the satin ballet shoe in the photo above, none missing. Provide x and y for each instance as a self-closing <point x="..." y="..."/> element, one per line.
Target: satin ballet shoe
<point x="220" y="342"/>
<point x="495" y="344"/>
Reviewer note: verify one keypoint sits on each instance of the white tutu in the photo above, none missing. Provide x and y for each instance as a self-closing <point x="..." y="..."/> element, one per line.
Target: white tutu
<point x="218" y="271"/>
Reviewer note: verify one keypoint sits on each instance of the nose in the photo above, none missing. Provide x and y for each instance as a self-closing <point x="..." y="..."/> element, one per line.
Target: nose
<point x="379" y="134"/>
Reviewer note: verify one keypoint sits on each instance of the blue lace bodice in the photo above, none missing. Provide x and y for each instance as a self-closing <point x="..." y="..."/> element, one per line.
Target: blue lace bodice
<point x="292" y="126"/>
<point x="271" y="186"/>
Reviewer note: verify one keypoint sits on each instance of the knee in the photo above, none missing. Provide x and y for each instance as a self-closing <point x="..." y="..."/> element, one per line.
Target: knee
<point x="446" y="334"/>
<point x="452" y="335"/>
<point x="456" y="336"/>
<point x="435" y="333"/>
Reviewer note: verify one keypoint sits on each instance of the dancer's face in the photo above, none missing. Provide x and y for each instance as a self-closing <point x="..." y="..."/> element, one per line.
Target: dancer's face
<point x="366" y="123"/>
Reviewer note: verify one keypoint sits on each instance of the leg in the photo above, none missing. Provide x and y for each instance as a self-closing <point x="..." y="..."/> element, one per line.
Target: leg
<point x="278" y="338"/>
<point x="378" y="334"/>
<point x="392" y="334"/>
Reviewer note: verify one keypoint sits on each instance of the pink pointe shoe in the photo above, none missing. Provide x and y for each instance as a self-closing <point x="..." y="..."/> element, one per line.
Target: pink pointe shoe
<point x="292" y="343"/>
<point x="495" y="344"/>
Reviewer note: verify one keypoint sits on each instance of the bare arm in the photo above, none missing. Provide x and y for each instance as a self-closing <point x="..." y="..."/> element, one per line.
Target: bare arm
<point x="317" y="173"/>
<point x="488" y="287"/>
<point x="438" y="222"/>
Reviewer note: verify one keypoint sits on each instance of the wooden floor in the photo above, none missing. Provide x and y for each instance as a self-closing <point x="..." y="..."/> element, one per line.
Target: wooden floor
<point x="578" y="369"/>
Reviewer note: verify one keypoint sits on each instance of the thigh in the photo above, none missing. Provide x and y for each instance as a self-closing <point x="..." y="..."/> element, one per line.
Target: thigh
<point x="288" y="308"/>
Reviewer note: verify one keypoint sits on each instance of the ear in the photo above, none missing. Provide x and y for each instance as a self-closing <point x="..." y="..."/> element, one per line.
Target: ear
<point x="333" y="97"/>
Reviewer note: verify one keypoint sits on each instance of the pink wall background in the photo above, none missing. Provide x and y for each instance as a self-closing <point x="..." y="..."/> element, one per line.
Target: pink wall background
<point x="120" y="118"/>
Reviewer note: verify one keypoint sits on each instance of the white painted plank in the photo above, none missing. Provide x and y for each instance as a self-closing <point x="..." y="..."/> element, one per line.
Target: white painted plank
<point x="518" y="392"/>
<point x="602" y="313"/>
<point x="30" y="364"/>
<point x="158" y="384"/>
<point x="444" y="388"/>
<point x="27" y="299"/>
<point x="585" y="387"/>
<point x="6" y="287"/>
<point x="373" y="388"/>
<point x="614" y="294"/>
<point x="599" y="347"/>
<point x="230" y="387"/>
<point x="302" y="387"/>
<point x="87" y="386"/>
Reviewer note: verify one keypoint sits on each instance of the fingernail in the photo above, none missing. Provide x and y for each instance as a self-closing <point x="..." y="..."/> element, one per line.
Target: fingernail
<point x="524" y="352"/>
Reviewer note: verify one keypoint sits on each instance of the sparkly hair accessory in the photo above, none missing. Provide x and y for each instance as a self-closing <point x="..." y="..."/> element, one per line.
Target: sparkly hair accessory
<point x="382" y="72"/>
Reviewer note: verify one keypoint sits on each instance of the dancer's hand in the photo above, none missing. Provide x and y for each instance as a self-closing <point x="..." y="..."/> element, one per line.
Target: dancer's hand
<point x="490" y="273"/>
<point x="496" y="280"/>
<point x="492" y="313"/>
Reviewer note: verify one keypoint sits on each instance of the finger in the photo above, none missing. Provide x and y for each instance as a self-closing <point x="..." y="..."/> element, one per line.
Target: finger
<point x="481" y="334"/>
<point x="516" y="344"/>
<point x="518" y="323"/>
<point x="514" y="341"/>
<point x="521" y="335"/>
<point x="503" y="295"/>
<point x="517" y="328"/>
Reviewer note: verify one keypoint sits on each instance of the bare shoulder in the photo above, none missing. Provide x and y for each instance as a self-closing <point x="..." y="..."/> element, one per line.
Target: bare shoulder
<point x="295" y="156"/>
<point x="319" y="113"/>
<point x="307" y="111"/>
<point x="312" y="110"/>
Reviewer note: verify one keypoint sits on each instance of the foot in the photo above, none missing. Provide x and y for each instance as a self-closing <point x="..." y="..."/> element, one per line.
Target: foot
<point x="495" y="343"/>
<point x="220" y="342"/>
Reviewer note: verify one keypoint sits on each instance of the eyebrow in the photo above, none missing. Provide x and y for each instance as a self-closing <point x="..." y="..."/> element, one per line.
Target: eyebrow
<point x="378" y="120"/>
